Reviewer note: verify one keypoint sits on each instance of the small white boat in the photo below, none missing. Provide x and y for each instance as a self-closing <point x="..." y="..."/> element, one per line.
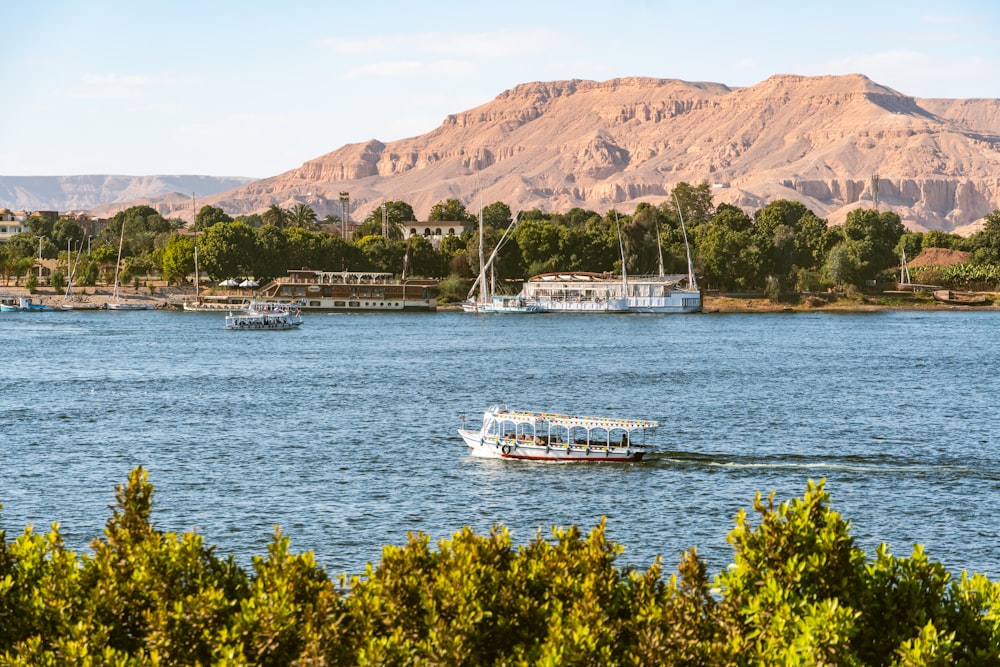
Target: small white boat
<point x="127" y="305"/>
<point x="544" y="436"/>
<point x="24" y="304"/>
<point x="273" y="320"/>
<point x="117" y="303"/>
<point x="500" y="303"/>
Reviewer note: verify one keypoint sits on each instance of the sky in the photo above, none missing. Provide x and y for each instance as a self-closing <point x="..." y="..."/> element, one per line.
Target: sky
<point x="255" y="89"/>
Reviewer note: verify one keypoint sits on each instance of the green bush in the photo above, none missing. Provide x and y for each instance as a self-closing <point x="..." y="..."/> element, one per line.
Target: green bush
<point x="799" y="592"/>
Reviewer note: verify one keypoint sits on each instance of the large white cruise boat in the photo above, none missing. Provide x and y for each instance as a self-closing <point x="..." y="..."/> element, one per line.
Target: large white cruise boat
<point x="352" y="291"/>
<point x="583" y="292"/>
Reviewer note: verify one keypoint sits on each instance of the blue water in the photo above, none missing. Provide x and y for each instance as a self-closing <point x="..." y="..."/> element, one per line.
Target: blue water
<point x="343" y="433"/>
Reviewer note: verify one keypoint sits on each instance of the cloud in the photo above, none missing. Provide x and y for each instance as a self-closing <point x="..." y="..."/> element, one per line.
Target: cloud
<point x="414" y="69"/>
<point x="918" y="74"/>
<point x="492" y="45"/>
<point x="122" y="86"/>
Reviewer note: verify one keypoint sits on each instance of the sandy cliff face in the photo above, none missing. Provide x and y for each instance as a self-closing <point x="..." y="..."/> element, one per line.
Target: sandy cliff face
<point x="598" y="145"/>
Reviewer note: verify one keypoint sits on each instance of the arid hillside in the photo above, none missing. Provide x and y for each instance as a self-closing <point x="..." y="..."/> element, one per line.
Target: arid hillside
<point x="597" y="145"/>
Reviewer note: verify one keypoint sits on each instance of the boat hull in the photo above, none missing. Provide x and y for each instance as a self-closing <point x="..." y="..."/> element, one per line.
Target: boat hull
<point x="495" y="448"/>
<point x="128" y="306"/>
<point x="953" y="298"/>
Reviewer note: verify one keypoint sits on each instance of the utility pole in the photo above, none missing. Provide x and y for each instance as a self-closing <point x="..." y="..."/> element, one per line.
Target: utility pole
<point x="345" y="209"/>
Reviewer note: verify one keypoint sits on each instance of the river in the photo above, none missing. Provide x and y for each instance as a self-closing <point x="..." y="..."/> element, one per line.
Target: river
<point x="343" y="433"/>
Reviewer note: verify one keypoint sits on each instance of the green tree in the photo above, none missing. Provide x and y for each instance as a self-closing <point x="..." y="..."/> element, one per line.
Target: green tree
<point x="730" y="258"/>
<point x="539" y="241"/>
<point x="497" y="215"/>
<point x="985" y="244"/>
<point x="842" y="264"/>
<point x="227" y="250"/>
<point x="302" y="216"/>
<point x="393" y="213"/>
<point x="251" y="220"/>
<point x="275" y="215"/>
<point x="58" y="281"/>
<point x="273" y="256"/>
<point x="696" y="203"/>
<point x="177" y="259"/>
<point x="41" y="223"/>
<point x="451" y="210"/>
<point x="422" y="259"/>
<point x="64" y="231"/>
<point x="382" y="254"/>
<point x="210" y="215"/>
<point x="876" y="237"/>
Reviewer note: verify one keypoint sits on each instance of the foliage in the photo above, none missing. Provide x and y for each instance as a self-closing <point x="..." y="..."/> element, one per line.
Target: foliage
<point x="730" y="258"/>
<point x="226" y="250"/>
<point x="453" y="289"/>
<point x="58" y="281"/>
<point x="798" y="592"/>
<point x="451" y="210"/>
<point x="177" y="259"/>
<point x="422" y="260"/>
<point x="276" y="216"/>
<point x="395" y="213"/>
<point x="782" y="246"/>
<point x="872" y="238"/>
<point x="210" y="215"/>
<point x="302" y="215"/>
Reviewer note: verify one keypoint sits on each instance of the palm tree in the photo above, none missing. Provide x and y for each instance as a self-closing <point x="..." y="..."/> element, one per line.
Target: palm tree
<point x="302" y="216"/>
<point x="277" y="216"/>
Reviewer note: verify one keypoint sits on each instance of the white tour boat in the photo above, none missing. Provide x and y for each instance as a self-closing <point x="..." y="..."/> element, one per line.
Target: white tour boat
<point x="277" y="319"/>
<point x="544" y="436"/>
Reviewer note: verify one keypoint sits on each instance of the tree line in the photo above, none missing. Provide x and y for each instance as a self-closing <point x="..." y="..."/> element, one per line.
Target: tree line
<point x="798" y="592"/>
<point x="781" y="247"/>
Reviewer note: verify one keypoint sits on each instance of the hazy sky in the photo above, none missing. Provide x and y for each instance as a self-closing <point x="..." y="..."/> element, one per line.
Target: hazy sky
<point x="257" y="88"/>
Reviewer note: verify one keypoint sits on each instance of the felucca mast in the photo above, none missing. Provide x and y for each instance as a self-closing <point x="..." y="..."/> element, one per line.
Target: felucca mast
<point x="482" y="258"/>
<point x="121" y="244"/>
<point x="621" y="248"/>
<point x="197" y="279"/>
<point x="488" y="266"/>
<point x="692" y="283"/>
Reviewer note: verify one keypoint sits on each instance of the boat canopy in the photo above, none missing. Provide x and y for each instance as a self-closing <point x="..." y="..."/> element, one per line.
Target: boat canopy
<point x="569" y="421"/>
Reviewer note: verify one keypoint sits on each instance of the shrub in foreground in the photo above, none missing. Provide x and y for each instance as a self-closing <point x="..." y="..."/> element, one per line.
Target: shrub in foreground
<point x="799" y="592"/>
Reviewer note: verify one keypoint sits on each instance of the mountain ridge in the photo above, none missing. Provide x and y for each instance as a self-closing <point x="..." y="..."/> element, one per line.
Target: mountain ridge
<point x="577" y="143"/>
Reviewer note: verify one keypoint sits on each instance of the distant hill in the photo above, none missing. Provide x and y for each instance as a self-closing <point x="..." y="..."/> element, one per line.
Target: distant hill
<point x="598" y="145"/>
<point x="87" y="193"/>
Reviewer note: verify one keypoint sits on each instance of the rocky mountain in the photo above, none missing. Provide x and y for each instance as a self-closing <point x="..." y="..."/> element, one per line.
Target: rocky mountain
<point x="86" y="193"/>
<point x="598" y="145"/>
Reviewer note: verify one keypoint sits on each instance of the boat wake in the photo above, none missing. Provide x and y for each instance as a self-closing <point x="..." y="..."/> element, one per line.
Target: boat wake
<point x="877" y="464"/>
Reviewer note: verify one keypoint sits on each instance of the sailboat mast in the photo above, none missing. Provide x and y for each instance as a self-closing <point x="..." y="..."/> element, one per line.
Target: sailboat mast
<point x="121" y="244"/>
<point x="659" y="244"/>
<point x="692" y="284"/>
<point x="621" y="248"/>
<point x="197" y="278"/>
<point x="482" y="257"/>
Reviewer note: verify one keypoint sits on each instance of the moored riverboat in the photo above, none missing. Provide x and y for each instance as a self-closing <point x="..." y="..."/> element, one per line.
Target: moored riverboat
<point x="23" y="304"/>
<point x="352" y="291"/>
<point x="585" y="292"/>
<point x="544" y="436"/>
<point x="953" y="298"/>
<point x="272" y="320"/>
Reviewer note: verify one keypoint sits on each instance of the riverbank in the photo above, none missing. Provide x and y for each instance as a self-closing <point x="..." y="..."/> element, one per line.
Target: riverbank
<point x="168" y="297"/>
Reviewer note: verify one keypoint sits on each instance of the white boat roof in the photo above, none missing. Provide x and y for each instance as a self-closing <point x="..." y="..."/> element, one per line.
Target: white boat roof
<point x="528" y="417"/>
